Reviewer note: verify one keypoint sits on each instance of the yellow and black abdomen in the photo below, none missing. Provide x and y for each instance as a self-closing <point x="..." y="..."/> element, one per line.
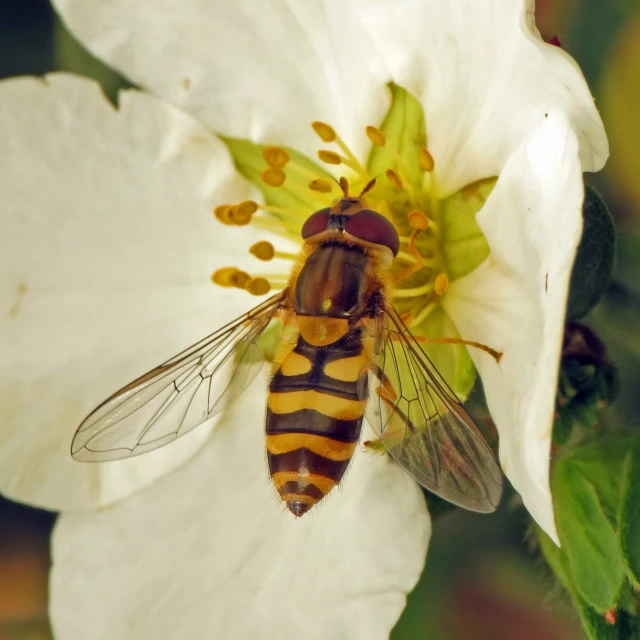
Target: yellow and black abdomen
<point x="314" y="417"/>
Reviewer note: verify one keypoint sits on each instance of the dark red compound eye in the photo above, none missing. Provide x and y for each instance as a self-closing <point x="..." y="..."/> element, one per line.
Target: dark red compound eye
<point x="316" y="223"/>
<point x="375" y="228"/>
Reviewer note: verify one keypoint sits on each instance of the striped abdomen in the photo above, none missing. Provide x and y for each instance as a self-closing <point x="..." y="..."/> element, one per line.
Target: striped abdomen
<point x="314" y="417"/>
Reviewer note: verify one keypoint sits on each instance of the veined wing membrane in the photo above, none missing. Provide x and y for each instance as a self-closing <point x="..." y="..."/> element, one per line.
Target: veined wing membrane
<point x="425" y="427"/>
<point x="179" y="395"/>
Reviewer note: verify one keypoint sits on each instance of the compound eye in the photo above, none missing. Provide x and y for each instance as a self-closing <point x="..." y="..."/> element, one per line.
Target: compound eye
<point x="316" y="223"/>
<point x="375" y="228"/>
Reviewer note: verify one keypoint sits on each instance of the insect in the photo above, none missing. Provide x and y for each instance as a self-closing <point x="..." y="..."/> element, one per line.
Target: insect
<point x="343" y="350"/>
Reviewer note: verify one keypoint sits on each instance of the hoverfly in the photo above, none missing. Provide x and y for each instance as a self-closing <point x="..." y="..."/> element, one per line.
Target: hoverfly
<point x="343" y="350"/>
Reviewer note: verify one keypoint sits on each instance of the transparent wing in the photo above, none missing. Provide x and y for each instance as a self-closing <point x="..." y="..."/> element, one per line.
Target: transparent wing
<point x="179" y="395"/>
<point x="424" y="426"/>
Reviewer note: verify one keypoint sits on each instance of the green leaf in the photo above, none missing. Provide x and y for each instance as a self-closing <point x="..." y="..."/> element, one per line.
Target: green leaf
<point x="562" y="427"/>
<point x="629" y="515"/>
<point x="588" y="538"/>
<point x="593" y="622"/>
<point x="404" y="129"/>
<point x="247" y="157"/>
<point x="463" y="244"/>
<point x="594" y="260"/>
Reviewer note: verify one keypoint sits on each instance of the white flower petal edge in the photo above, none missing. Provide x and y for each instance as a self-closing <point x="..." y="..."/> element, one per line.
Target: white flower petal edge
<point x="262" y="71"/>
<point x="481" y="70"/>
<point x="209" y="552"/>
<point x="515" y="301"/>
<point x="108" y="245"/>
<point x="485" y="78"/>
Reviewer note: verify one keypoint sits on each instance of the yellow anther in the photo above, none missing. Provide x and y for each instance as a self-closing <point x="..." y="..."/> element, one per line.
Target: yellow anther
<point x="321" y="185"/>
<point x="330" y="157"/>
<point x="223" y="276"/>
<point x="427" y="163"/>
<point x="273" y="176"/>
<point x="276" y="157"/>
<point x="223" y="213"/>
<point x="241" y="213"/>
<point x="262" y="250"/>
<point x="376" y="136"/>
<point x="239" y="279"/>
<point x="417" y="220"/>
<point x="258" y="286"/>
<point x="394" y="179"/>
<point x="325" y="132"/>
<point x="441" y="283"/>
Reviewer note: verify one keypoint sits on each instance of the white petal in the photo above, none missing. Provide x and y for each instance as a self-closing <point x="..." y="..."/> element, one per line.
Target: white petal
<point x="108" y="246"/>
<point x="262" y="71"/>
<point x="209" y="552"/>
<point x="515" y="301"/>
<point x="484" y="77"/>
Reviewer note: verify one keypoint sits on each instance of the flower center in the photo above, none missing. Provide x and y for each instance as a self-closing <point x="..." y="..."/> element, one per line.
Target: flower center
<point x="405" y="193"/>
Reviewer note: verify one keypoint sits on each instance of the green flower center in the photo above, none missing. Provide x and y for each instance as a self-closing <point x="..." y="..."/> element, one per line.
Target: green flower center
<point x="440" y="239"/>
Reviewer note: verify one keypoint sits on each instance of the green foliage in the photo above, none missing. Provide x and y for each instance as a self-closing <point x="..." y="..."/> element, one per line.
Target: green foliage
<point x="594" y="260"/>
<point x="629" y="514"/>
<point x="595" y="490"/>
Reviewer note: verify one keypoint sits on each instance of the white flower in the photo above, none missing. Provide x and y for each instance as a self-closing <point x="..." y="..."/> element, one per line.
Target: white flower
<point x="107" y="273"/>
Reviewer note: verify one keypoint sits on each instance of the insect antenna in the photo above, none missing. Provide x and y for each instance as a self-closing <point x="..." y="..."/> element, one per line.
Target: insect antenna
<point x="344" y="185"/>
<point x="368" y="187"/>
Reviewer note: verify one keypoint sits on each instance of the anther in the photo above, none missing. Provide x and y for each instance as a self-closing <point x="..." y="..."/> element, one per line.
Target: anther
<point x="427" y="163"/>
<point x="394" y="179"/>
<point x="321" y="185"/>
<point x="258" y="286"/>
<point x="417" y="220"/>
<point x="325" y="132"/>
<point x="239" y="279"/>
<point x="441" y="283"/>
<point x="224" y="277"/>
<point x="262" y="250"/>
<point x="223" y="213"/>
<point x="240" y="214"/>
<point x="273" y="176"/>
<point x="276" y="157"/>
<point x="376" y="136"/>
<point x="330" y="157"/>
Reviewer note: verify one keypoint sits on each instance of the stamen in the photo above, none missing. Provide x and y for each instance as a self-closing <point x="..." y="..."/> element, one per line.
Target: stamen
<point x="441" y="284"/>
<point x="330" y="157"/>
<point x="422" y="316"/>
<point x="230" y="277"/>
<point x="427" y="163"/>
<point x="406" y="257"/>
<point x="394" y="179"/>
<point x="223" y="213"/>
<point x="241" y="214"/>
<point x="418" y="220"/>
<point x="265" y="251"/>
<point x="285" y="211"/>
<point x="320" y="185"/>
<point x="397" y="182"/>
<point x="273" y="177"/>
<point x="325" y="132"/>
<point x="240" y="279"/>
<point x="276" y="157"/>
<point x="376" y="136"/>
<point x="258" y="286"/>
<point x="415" y="291"/>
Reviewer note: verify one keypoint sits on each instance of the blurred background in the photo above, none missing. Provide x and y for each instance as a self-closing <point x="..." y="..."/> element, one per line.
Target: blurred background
<point x="484" y="578"/>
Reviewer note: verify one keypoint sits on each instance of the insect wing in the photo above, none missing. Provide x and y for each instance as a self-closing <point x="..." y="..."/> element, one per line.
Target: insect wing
<point x="424" y="426"/>
<point x="179" y="395"/>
